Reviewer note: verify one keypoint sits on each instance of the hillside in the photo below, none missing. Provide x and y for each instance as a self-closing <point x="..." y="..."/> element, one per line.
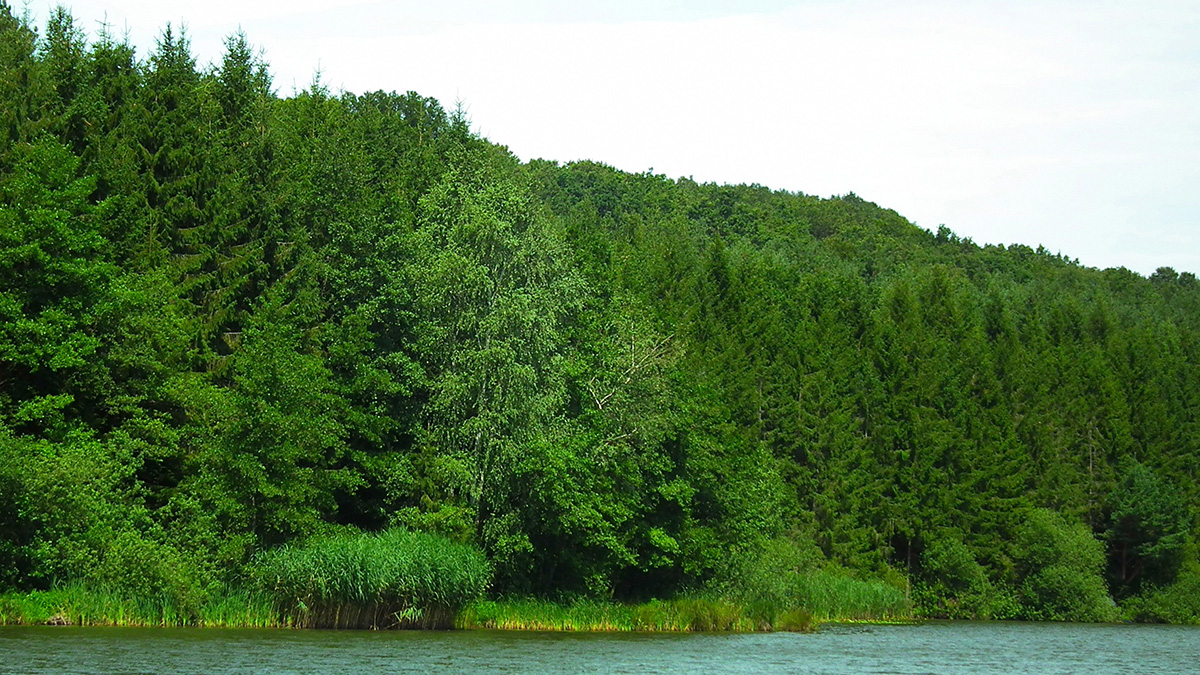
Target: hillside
<point x="230" y="321"/>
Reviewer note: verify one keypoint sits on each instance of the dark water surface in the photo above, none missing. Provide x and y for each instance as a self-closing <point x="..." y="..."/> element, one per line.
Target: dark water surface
<point x="951" y="647"/>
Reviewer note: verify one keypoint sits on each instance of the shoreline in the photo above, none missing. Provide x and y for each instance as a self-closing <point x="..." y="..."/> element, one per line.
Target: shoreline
<point x="77" y="607"/>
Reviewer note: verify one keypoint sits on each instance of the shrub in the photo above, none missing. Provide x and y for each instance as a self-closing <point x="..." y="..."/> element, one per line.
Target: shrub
<point x="955" y="585"/>
<point x="1061" y="568"/>
<point x="786" y="578"/>
<point x="1178" y="602"/>
<point x="1068" y="593"/>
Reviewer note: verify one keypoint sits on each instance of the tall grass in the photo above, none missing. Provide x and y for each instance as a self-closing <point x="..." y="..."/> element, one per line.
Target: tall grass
<point x="830" y="596"/>
<point x="683" y="614"/>
<point x="826" y="594"/>
<point x="79" y="605"/>
<point x="237" y="608"/>
<point x="396" y="579"/>
<point x="536" y="614"/>
<point x="786" y="575"/>
<point x="408" y="580"/>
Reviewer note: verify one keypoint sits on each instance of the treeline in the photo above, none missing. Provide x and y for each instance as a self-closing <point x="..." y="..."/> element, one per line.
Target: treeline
<point x="231" y="321"/>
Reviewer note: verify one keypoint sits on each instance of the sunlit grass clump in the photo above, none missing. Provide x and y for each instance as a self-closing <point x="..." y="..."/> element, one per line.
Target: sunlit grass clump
<point x="545" y="615"/>
<point x="684" y="614"/>
<point x="395" y="579"/>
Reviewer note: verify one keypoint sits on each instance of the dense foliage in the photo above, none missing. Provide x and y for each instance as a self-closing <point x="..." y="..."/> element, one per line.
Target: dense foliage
<point x="393" y="579"/>
<point x="231" y="321"/>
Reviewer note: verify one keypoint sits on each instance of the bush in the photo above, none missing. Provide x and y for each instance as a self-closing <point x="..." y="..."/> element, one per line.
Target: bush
<point x="1178" y="602"/>
<point x="955" y="585"/>
<point x="1068" y="593"/>
<point x="396" y="579"/>
<point x="1061" y="568"/>
<point x="68" y="518"/>
<point x="788" y="576"/>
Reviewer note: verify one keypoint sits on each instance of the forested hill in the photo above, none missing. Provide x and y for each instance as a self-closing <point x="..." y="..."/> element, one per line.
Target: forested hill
<point x="230" y="320"/>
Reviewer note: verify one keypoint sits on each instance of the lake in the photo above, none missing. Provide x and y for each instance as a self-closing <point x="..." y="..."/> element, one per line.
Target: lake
<point x="936" y="647"/>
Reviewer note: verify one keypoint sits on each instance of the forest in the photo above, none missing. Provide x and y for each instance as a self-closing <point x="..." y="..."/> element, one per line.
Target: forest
<point x="237" y="327"/>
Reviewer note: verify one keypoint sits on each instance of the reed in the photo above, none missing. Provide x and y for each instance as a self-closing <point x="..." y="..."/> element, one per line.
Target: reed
<point x="788" y="581"/>
<point x="396" y="579"/>
<point x="830" y="596"/>
<point x="537" y="614"/>
<point x="80" y="605"/>
<point x="407" y="580"/>
<point x="702" y="613"/>
<point x="689" y="613"/>
<point x="239" y="609"/>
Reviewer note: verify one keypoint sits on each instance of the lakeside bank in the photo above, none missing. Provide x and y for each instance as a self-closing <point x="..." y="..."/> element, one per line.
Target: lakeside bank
<point x="80" y="606"/>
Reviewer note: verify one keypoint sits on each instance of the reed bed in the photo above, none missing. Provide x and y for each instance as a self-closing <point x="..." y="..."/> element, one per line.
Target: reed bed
<point x="240" y="609"/>
<point x="395" y="579"/>
<point x="79" y="605"/>
<point x="830" y="596"/>
<point x="400" y="579"/>
<point x="684" y="614"/>
<point x="535" y="614"/>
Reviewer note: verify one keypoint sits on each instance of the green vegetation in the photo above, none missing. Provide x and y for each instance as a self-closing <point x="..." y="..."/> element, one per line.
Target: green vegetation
<point x="77" y="605"/>
<point x="1175" y="603"/>
<point x="1062" y="567"/>
<point x="395" y="579"/>
<point x="783" y="575"/>
<point x="334" y="359"/>
<point x="685" y="613"/>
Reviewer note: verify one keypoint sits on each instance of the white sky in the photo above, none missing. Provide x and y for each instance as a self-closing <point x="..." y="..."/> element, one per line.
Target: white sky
<point x="1074" y="124"/>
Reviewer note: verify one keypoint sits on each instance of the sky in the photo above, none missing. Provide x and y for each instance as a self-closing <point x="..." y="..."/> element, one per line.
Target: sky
<point x="1071" y="124"/>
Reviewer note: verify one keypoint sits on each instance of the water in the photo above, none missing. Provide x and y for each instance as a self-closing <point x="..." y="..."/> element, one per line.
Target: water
<point x="926" y="648"/>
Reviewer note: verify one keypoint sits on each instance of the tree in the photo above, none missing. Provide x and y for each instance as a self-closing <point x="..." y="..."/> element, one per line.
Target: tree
<point x="493" y="297"/>
<point x="54" y="288"/>
<point x="26" y="93"/>
<point x="1147" y="529"/>
<point x="281" y="443"/>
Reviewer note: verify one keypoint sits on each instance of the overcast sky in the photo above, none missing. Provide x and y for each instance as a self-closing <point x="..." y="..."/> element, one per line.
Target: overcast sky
<point x="1070" y="124"/>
